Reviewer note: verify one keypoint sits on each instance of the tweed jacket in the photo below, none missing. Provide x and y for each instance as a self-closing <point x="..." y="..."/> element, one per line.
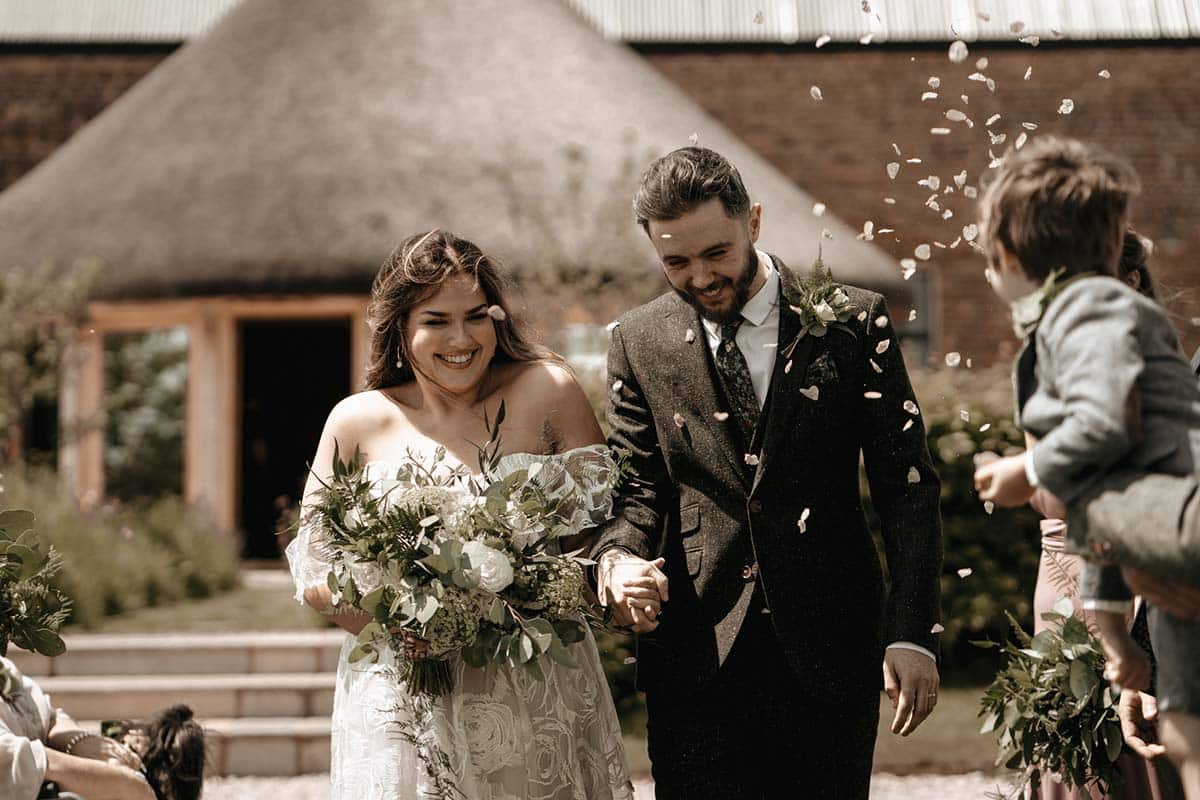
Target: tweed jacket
<point x="786" y="515"/>
<point x="1104" y="385"/>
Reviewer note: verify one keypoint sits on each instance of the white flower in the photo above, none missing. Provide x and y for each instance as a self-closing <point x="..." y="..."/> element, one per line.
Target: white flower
<point x="495" y="570"/>
<point x="824" y="312"/>
<point x="839" y="297"/>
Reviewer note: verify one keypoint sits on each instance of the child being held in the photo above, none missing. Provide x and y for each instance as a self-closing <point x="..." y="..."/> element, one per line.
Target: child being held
<point x="1101" y="383"/>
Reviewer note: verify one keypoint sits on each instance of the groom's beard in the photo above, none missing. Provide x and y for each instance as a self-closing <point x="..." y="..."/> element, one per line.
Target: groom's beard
<point x="741" y="293"/>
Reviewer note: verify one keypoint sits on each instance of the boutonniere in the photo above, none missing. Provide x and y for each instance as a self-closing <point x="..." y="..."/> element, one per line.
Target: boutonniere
<point x="823" y="304"/>
<point x="1027" y="311"/>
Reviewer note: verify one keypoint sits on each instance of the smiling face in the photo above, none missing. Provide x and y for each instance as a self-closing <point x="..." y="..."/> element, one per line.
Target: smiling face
<point x="450" y="337"/>
<point x="709" y="258"/>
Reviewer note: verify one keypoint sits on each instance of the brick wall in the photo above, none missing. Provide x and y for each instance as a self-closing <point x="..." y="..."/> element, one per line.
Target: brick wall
<point x="46" y="94"/>
<point x="837" y="149"/>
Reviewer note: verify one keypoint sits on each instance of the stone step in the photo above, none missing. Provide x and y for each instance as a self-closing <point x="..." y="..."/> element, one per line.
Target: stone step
<point x="261" y="695"/>
<point x="189" y="654"/>
<point x="263" y="746"/>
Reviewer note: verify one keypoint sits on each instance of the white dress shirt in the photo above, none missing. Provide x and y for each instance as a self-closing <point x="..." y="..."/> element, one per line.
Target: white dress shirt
<point x="758" y="339"/>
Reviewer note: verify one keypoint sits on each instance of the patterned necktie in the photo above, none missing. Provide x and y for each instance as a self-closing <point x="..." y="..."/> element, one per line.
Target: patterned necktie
<point x="735" y="374"/>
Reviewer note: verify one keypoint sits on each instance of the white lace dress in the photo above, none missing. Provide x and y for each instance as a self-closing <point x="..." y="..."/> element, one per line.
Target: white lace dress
<point x="503" y="734"/>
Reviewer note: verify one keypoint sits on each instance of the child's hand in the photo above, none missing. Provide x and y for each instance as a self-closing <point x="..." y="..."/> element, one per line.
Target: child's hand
<point x="1127" y="665"/>
<point x="1003" y="481"/>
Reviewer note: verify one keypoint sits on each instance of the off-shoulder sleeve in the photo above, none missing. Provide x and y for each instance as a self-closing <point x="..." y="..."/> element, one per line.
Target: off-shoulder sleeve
<point x="310" y="558"/>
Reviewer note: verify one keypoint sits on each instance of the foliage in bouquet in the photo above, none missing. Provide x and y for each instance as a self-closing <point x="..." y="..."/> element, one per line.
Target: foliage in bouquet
<point x="464" y="563"/>
<point x="31" y="608"/>
<point x="1053" y="710"/>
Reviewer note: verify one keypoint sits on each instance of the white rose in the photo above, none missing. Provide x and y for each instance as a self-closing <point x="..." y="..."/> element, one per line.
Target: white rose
<point x="840" y="297"/>
<point x="495" y="571"/>
<point x="824" y="312"/>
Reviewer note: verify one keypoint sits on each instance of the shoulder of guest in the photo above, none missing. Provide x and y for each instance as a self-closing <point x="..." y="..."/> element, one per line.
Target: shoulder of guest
<point x="1088" y="296"/>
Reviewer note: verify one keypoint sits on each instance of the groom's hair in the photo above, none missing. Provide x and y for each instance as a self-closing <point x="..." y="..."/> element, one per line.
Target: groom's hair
<point x="683" y="179"/>
<point x="1058" y="203"/>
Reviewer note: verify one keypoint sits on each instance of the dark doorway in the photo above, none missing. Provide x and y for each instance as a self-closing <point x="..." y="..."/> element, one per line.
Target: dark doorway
<point x="293" y="373"/>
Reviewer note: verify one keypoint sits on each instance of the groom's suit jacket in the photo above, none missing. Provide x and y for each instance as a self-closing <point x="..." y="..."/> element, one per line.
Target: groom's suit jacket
<point x="794" y="521"/>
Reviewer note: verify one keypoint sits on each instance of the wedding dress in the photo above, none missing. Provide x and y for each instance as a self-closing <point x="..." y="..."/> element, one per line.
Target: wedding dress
<point x="501" y="734"/>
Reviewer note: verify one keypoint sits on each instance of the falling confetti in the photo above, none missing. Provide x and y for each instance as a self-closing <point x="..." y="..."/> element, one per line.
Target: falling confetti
<point x="969" y="364"/>
<point x="1017" y="26"/>
<point x="911" y="407"/>
<point x="630" y="659"/>
<point x="991" y="84"/>
<point x="759" y="18"/>
<point x="787" y="367"/>
<point x="965" y="99"/>
<point x="985" y="427"/>
<point x="881" y="321"/>
<point x="992" y="120"/>
<point x="812" y="392"/>
<point x="802" y="523"/>
<point x="1066" y="106"/>
<point x="720" y="416"/>
<point x="988" y="506"/>
<point x="497" y="313"/>
<point x="861" y="316"/>
<point x="816" y="93"/>
<point x="1104" y="74"/>
<point x="970" y="192"/>
<point x="997" y="138"/>
<point x="932" y="182"/>
<point x="875" y="366"/>
<point x="954" y="115"/>
<point x="823" y="39"/>
<point x="1032" y="41"/>
<point x="929" y="96"/>
<point x="937" y="626"/>
<point x="751" y="459"/>
<point x="1028" y="72"/>
<point x="969" y="232"/>
<point x="935" y="82"/>
<point x="818" y="209"/>
<point x="690" y="336"/>
<point x="981" y="64"/>
<point x="958" y="51"/>
<point x="955" y="243"/>
<point x="977" y="76"/>
<point x="883" y="346"/>
<point x="872" y="395"/>
<point x="678" y="419"/>
<point x="1021" y="139"/>
<point x="912" y="315"/>
<point x="964" y="415"/>
<point x="906" y="426"/>
<point x="826" y="233"/>
<point x="922" y="252"/>
<point x="891" y="201"/>
<point x="965" y="572"/>
<point x="908" y="266"/>
<point x="912" y="161"/>
<point x="616" y="387"/>
<point x="893" y="169"/>
<point x="896" y="147"/>
<point x="868" y="231"/>
<point x="953" y="359"/>
<point x="1029" y="126"/>
<point x="960" y="179"/>
<point x="867" y="38"/>
<point x="694" y="139"/>
<point x="914" y="475"/>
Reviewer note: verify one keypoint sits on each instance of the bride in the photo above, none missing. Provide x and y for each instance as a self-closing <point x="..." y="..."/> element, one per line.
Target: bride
<point x="445" y="347"/>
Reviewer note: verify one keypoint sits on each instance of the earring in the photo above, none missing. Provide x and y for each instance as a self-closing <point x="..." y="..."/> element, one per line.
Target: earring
<point x="399" y="357"/>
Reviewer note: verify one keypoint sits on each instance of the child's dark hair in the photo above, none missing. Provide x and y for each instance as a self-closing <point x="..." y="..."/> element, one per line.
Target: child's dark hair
<point x="1135" y="251"/>
<point x="174" y="756"/>
<point x="1058" y="203"/>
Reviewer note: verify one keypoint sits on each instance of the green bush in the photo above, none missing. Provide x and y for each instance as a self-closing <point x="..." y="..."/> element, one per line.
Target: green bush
<point x="118" y="559"/>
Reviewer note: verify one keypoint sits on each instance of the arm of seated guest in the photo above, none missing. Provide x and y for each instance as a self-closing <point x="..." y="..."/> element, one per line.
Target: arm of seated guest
<point x="96" y="780"/>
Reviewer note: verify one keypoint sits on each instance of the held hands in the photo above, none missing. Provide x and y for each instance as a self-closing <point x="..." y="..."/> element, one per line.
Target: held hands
<point x="911" y="681"/>
<point x="1003" y="481"/>
<point x="635" y="589"/>
<point x="1139" y="723"/>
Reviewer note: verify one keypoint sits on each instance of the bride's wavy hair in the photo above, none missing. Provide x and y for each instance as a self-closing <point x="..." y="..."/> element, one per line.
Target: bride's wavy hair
<point x="413" y="273"/>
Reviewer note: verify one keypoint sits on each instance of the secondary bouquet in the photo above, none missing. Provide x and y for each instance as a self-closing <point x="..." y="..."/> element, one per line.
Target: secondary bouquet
<point x="1054" y="711"/>
<point x="472" y="564"/>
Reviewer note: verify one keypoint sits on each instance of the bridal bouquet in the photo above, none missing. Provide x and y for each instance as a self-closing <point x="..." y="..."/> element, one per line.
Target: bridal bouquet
<point x="1053" y="709"/>
<point x="470" y="564"/>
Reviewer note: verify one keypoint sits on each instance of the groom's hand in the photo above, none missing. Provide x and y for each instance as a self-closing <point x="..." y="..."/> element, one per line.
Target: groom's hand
<point x="911" y="681"/>
<point x="635" y="589"/>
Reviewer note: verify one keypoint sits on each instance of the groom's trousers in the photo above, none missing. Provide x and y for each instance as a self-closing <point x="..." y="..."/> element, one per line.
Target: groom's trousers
<point x="756" y="731"/>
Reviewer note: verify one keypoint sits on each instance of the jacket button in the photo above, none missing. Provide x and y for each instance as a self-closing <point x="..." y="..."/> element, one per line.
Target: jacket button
<point x="750" y="572"/>
<point x="755" y="506"/>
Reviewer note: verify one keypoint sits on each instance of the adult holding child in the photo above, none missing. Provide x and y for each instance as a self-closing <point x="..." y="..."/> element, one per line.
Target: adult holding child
<point x="1103" y="386"/>
<point x="446" y="350"/>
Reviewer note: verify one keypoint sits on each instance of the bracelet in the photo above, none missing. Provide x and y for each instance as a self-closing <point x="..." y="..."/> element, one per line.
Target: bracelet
<point x="76" y="739"/>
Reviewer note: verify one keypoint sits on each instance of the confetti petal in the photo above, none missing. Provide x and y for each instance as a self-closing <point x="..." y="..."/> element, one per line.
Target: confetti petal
<point x="953" y="359"/>
<point x="970" y="192"/>
<point x="1028" y="72"/>
<point x="823" y="39"/>
<point x="497" y="313"/>
<point x="861" y="316"/>
<point x="940" y="131"/>
<point x="964" y="415"/>
<point x="992" y="119"/>
<point x="1032" y="41"/>
<point x="911" y="407"/>
<point x="912" y="315"/>
<point x="1021" y="139"/>
<point x="960" y="179"/>
<point x="720" y="416"/>
<point x="694" y="139"/>
<point x="868" y="231"/>
<point x="802" y="523"/>
<point x="816" y="93"/>
<point x="937" y="626"/>
<point x="988" y="506"/>
<point x="964" y="572"/>
<point x="958" y="51"/>
<point x="881" y="321"/>
<point x="922" y="252"/>
<point x="1104" y="74"/>
<point x="678" y="419"/>
<point x="914" y="475"/>
<point x="981" y="64"/>
<point x="616" y="387"/>
<point x="969" y="232"/>
<point x="954" y="115"/>
<point x="1029" y="126"/>
<point x="818" y="209"/>
<point x="787" y="367"/>
<point x="690" y="336"/>
<point x="883" y="346"/>
<point x="893" y="169"/>
<point x="929" y="96"/>
<point x="907" y="425"/>
<point x="812" y="393"/>
<point x="1066" y="106"/>
<point x="872" y="395"/>
<point x="751" y="459"/>
<point x="985" y="427"/>
<point x="875" y="366"/>
<point x="934" y="82"/>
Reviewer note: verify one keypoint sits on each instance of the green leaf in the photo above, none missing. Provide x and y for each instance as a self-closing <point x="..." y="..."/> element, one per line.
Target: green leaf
<point x="47" y="642"/>
<point x="989" y="724"/>
<point x="525" y="649"/>
<point x="1064" y="607"/>
<point x="1113" y="741"/>
<point x="563" y="656"/>
<point x="534" y="668"/>
<point x="369" y="601"/>
<point x="541" y="634"/>
<point x="1083" y="680"/>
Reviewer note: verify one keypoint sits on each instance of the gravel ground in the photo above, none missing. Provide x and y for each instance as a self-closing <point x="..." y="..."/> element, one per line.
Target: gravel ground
<point x="883" y="787"/>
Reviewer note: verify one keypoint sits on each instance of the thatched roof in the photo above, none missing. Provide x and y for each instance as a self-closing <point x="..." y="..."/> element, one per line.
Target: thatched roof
<point x="290" y="148"/>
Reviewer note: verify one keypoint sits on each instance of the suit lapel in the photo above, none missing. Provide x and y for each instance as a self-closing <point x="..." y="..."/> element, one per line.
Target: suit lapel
<point x="791" y="362"/>
<point x="697" y="384"/>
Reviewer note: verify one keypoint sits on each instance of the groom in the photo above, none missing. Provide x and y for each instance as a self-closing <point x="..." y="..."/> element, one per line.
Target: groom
<point x="738" y="548"/>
